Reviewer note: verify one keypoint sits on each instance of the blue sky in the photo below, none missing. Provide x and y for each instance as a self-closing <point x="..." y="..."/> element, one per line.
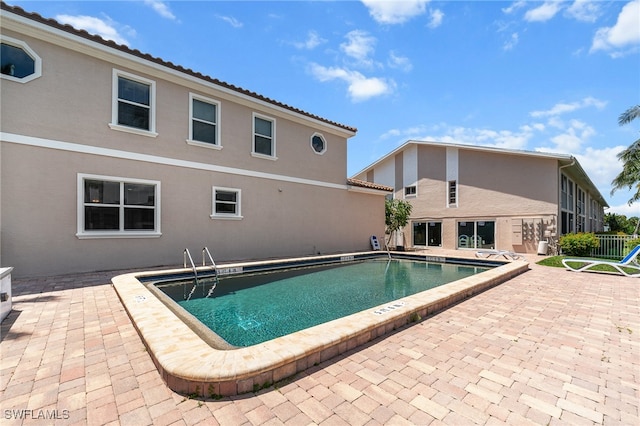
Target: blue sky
<point x="536" y="75"/>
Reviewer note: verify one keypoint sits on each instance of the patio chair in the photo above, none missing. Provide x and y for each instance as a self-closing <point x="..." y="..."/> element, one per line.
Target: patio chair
<point x="628" y="266"/>
<point x="509" y="255"/>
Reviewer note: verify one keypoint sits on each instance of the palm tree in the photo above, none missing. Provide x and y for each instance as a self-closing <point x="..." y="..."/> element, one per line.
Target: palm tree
<point x="629" y="177"/>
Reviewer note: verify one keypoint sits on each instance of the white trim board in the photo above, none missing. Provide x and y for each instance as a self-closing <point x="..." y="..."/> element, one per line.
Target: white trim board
<point x="146" y="158"/>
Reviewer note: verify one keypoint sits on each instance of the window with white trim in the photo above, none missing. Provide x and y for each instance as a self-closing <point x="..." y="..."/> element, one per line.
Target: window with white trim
<point x="318" y="144"/>
<point x="18" y="62"/>
<point x="204" y="119"/>
<point x="117" y="207"/>
<point x="264" y="140"/>
<point x="133" y="104"/>
<point x="226" y="203"/>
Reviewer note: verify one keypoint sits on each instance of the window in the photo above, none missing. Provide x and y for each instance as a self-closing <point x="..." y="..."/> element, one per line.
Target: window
<point x="226" y="203"/>
<point x="419" y="234"/>
<point x="434" y="234"/>
<point x="581" y="212"/>
<point x="452" y="194"/>
<point x="476" y="234"/>
<point x="264" y="142"/>
<point x="566" y="205"/>
<point x="593" y="216"/>
<point x="318" y="144"/>
<point x="203" y="123"/>
<point x="133" y="108"/>
<point x="117" y="207"/>
<point x="18" y="62"/>
<point x="427" y="234"/>
<point x="410" y="191"/>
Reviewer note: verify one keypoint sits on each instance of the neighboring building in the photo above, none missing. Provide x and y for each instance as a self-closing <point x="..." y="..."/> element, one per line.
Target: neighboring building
<point x="467" y="196"/>
<point x="111" y="158"/>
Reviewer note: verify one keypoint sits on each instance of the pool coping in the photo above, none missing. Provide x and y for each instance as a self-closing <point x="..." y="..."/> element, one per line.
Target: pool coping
<point x="191" y="366"/>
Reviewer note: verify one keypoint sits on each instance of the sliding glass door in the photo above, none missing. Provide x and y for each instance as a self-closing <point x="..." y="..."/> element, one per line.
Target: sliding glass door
<point x="477" y="234"/>
<point x="427" y="234"/>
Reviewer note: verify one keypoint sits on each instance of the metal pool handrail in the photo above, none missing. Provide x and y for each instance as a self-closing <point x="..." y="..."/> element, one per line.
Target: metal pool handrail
<point x="206" y="251"/>
<point x="186" y="255"/>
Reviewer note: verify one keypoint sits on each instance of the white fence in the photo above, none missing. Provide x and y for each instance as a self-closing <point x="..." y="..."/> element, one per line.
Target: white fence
<point x="611" y="246"/>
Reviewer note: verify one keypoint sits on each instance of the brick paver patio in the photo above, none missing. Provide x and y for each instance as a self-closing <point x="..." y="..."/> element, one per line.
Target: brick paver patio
<point x="548" y="347"/>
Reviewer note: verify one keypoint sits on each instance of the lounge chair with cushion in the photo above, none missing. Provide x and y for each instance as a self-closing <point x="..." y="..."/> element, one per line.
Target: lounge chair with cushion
<point x="628" y="266"/>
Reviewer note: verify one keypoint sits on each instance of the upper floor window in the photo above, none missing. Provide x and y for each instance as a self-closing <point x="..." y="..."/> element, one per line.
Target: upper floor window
<point x="204" y="122"/>
<point x="264" y="141"/>
<point x="18" y="62"/>
<point x="117" y="207"/>
<point x="452" y="193"/>
<point x="566" y="193"/>
<point x="133" y="108"/>
<point x="318" y="144"/>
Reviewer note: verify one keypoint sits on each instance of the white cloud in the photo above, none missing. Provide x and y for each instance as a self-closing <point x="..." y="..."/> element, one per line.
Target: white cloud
<point x="511" y="43"/>
<point x="625" y="209"/>
<point x="393" y="133"/>
<point x="584" y="10"/>
<point x="231" y="21"/>
<point x="514" y="6"/>
<point x="505" y="139"/>
<point x="556" y="122"/>
<point x="360" y="88"/>
<point x="534" y="127"/>
<point x="563" y="108"/>
<point x="625" y="34"/>
<point x="567" y="143"/>
<point x="359" y="45"/>
<point x="435" y="18"/>
<point x="395" y="12"/>
<point x="543" y="13"/>
<point x="313" y="40"/>
<point x="601" y="165"/>
<point x="161" y="8"/>
<point x="575" y="134"/>
<point x="93" y="25"/>
<point x="400" y="62"/>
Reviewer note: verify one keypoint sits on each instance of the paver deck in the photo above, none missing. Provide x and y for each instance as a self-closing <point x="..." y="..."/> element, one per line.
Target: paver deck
<point x="547" y="347"/>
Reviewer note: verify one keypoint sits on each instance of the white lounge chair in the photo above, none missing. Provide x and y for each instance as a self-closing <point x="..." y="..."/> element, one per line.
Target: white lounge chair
<point x="509" y="255"/>
<point x="628" y="266"/>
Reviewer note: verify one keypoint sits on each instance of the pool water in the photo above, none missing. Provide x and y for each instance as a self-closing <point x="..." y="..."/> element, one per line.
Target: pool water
<point x="249" y="309"/>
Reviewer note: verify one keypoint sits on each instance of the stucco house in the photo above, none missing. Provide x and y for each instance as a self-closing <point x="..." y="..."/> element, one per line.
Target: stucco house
<point x="111" y="158"/>
<point x="473" y="197"/>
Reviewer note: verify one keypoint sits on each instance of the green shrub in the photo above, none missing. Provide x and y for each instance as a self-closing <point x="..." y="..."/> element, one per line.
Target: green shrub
<point x="629" y="245"/>
<point x="579" y="244"/>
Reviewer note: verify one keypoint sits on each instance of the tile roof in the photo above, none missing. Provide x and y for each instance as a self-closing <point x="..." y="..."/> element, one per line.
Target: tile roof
<point x="122" y="48"/>
<point x="369" y="185"/>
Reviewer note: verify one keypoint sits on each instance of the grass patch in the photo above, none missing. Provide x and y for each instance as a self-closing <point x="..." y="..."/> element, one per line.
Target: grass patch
<point x="553" y="261"/>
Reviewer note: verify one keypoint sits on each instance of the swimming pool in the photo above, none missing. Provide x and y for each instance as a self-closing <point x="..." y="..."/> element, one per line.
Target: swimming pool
<point x="191" y="360"/>
<point x="248" y="309"/>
